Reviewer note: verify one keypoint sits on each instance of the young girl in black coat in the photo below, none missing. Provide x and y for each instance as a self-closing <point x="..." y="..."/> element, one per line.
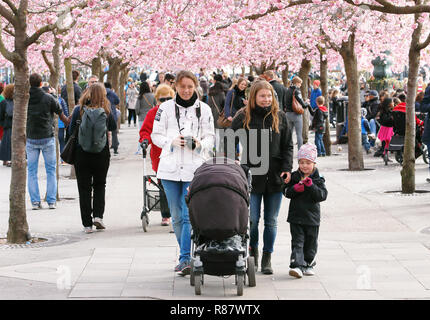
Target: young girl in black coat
<point x="306" y="190"/>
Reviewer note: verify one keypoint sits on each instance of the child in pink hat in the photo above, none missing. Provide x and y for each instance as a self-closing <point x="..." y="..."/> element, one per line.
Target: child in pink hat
<point x="306" y="190"/>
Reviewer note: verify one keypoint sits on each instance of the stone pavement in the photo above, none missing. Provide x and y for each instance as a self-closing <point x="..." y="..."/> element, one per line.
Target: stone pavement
<point x="373" y="245"/>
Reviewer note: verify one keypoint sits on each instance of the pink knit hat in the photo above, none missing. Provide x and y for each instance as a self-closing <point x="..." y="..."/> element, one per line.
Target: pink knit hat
<point x="308" y="151"/>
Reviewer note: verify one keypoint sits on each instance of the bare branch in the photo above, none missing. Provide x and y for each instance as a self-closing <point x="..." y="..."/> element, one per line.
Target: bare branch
<point x="11" y="56"/>
<point x="11" y="6"/>
<point x="5" y="13"/>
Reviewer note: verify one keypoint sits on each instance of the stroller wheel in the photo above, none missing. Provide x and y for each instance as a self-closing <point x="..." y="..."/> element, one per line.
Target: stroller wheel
<point x="425" y="154"/>
<point x="192" y="275"/>
<point x="240" y="281"/>
<point x="145" y="222"/>
<point x="399" y="157"/>
<point x="198" y="283"/>
<point x="250" y="272"/>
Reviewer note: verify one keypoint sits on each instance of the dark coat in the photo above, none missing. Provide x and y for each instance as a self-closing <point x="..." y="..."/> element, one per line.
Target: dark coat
<point x="281" y="92"/>
<point x="280" y="149"/>
<point x="78" y="92"/>
<point x="319" y="115"/>
<point x="40" y="114"/>
<point x="216" y="101"/>
<point x="305" y="206"/>
<point x="372" y="107"/>
<point x="425" y="108"/>
<point x="114" y="101"/>
<point x="234" y="101"/>
<point x="289" y="98"/>
<point x="6" y="106"/>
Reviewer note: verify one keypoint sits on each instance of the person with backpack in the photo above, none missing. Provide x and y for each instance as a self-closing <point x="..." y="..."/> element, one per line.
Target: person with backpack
<point x="6" y="116"/>
<point x="94" y="119"/>
<point x="184" y="130"/>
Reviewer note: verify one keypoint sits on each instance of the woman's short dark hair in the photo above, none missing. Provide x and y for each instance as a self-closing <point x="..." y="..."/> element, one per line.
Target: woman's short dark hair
<point x="35" y="80"/>
<point x="144" y="88"/>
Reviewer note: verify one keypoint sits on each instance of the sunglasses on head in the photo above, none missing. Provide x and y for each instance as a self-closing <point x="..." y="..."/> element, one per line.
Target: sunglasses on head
<point x="165" y="99"/>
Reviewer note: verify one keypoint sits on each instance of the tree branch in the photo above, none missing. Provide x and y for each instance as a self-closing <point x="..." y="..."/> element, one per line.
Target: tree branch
<point x="388" y="7"/>
<point x="11" y="56"/>
<point x="11" y="6"/>
<point x="5" y="13"/>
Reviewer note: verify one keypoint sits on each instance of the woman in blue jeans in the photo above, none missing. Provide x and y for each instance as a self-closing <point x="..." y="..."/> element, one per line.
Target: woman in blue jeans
<point x="184" y="130"/>
<point x="266" y="127"/>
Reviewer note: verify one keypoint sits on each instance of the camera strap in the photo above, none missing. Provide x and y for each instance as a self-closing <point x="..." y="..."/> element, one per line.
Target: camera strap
<point x="178" y="116"/>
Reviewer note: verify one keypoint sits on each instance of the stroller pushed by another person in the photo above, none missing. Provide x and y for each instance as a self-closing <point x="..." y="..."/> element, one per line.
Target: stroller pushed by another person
<point x="218" y="202"/>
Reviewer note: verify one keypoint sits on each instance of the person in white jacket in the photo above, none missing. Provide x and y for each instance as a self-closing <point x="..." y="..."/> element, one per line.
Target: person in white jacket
<point x="184" y="130"/>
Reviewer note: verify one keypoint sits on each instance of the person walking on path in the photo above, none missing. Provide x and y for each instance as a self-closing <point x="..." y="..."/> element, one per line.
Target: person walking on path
<point x="1" y="99"/>
<point x="145" y="102"/>
<point x="162" y="94"/>
<point x="76" y="88"/>
<point x="295" y="120"/>
<point x="184" y="130"/>
<point x="315" y="93"/>
<point x="425" y="108"/>
<point x="385" y="118"/>
<point x="235" y="99"/>
<point x="280" y="89"/>
<point x="131" y="96"/>
<point x="114" y="101"/>
<point x="306" y="190"/>
<point x="6" y="117"/>
<point x="40" y="138"/>
<point x="92" y="167"/>
<point x="263" y="117"/>
<point x="319" y="114"/>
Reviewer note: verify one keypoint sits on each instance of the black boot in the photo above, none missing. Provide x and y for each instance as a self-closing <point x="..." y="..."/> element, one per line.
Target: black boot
<point x="253" y="252"/>
<point x="266" y="267"/>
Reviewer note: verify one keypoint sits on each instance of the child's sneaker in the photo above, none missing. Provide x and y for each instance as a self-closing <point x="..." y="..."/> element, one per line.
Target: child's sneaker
<point x="184" y="268"/>
<point x="296" y="272"/>
<point x="309" y="271"/>
<point x="165" y="221"/>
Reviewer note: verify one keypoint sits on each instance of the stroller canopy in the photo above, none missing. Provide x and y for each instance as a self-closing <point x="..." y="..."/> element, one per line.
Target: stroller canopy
<point x="218" y="200"/>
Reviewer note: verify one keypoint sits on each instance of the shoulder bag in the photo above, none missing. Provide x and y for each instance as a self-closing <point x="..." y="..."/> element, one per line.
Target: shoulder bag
<point x="296" y="106"/>
<point x="222" y="121"/>
<point x="69" y="151"/>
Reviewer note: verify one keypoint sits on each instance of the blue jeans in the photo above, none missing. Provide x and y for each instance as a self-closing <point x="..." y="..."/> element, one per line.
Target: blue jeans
<point x="365" y="141"/>
<point x="319" y="143"/>
<point x="33" y="149"/>
<point x="175" y="192"/>
<point x="272" y="204"/>
<point x="372" y="125"/>
<point x="61" y="138"/>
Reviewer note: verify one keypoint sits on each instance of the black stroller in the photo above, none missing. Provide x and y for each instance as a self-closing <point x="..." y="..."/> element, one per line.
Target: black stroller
<point x="218" y="202"/>
<point x="154" y="197"/>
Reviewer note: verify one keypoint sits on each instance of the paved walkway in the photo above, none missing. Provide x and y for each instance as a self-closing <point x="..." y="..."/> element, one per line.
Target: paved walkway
<point x="371" y="245"/>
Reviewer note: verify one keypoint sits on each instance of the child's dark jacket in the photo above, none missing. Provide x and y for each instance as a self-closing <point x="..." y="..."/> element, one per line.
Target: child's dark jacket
<point x="304" y="206"/>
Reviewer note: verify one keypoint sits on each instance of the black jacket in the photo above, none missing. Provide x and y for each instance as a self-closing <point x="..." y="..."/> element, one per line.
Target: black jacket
<point x="280" y="149"/>
<point x="77" y="89"/>
<point x="281" y="91"/>
<point x="372" y="107"/>
<point x="319" y="116"/>
<point x="386" y="119"/>
<point x="305" y="206"/>
<point x="289" y="98"/>
<point x="40" y="115"/>
<point x="216" y="100"/>
<point x="5" y="118"/>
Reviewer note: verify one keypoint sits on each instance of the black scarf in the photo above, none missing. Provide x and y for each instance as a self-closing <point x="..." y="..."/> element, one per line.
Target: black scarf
<point x="186" y="103"/>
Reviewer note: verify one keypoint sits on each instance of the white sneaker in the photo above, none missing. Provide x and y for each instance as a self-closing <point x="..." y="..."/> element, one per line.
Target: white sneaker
<point x="309" y="271"/>
<point x="296" y="272"/>
<point x="88" y="229"/>
<point x="52" y="205"/>
<point x="98" y="222"/>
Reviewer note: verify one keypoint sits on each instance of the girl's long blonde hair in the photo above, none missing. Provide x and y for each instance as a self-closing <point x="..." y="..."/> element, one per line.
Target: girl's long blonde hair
<point x="95" y="97"/>
<point x="257" y="86"/>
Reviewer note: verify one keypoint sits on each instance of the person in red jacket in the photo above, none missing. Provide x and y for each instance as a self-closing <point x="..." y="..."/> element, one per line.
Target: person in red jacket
<point x="162" y="94"/>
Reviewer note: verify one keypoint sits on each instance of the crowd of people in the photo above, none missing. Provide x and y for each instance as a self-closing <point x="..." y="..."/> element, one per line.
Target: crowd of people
<point x="180" y="117"/>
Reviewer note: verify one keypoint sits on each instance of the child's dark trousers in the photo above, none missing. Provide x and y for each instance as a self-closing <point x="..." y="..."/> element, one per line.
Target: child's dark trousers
<point x="304" y="244"/>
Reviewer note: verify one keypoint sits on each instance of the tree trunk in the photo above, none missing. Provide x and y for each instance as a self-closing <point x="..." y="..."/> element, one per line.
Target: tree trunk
<point x="355" y="152"/>
<point x="70" y="98"/>
<point x="285" y="74"/>
<point x="305" y="68"/>
<point x="324" y="89"/>
<point x="408" y="167"/>
<point x="18" y="231"/>
<point x="96" y="67"/>
<point x="114" y="73"/>
<point x="121" y="94"/>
